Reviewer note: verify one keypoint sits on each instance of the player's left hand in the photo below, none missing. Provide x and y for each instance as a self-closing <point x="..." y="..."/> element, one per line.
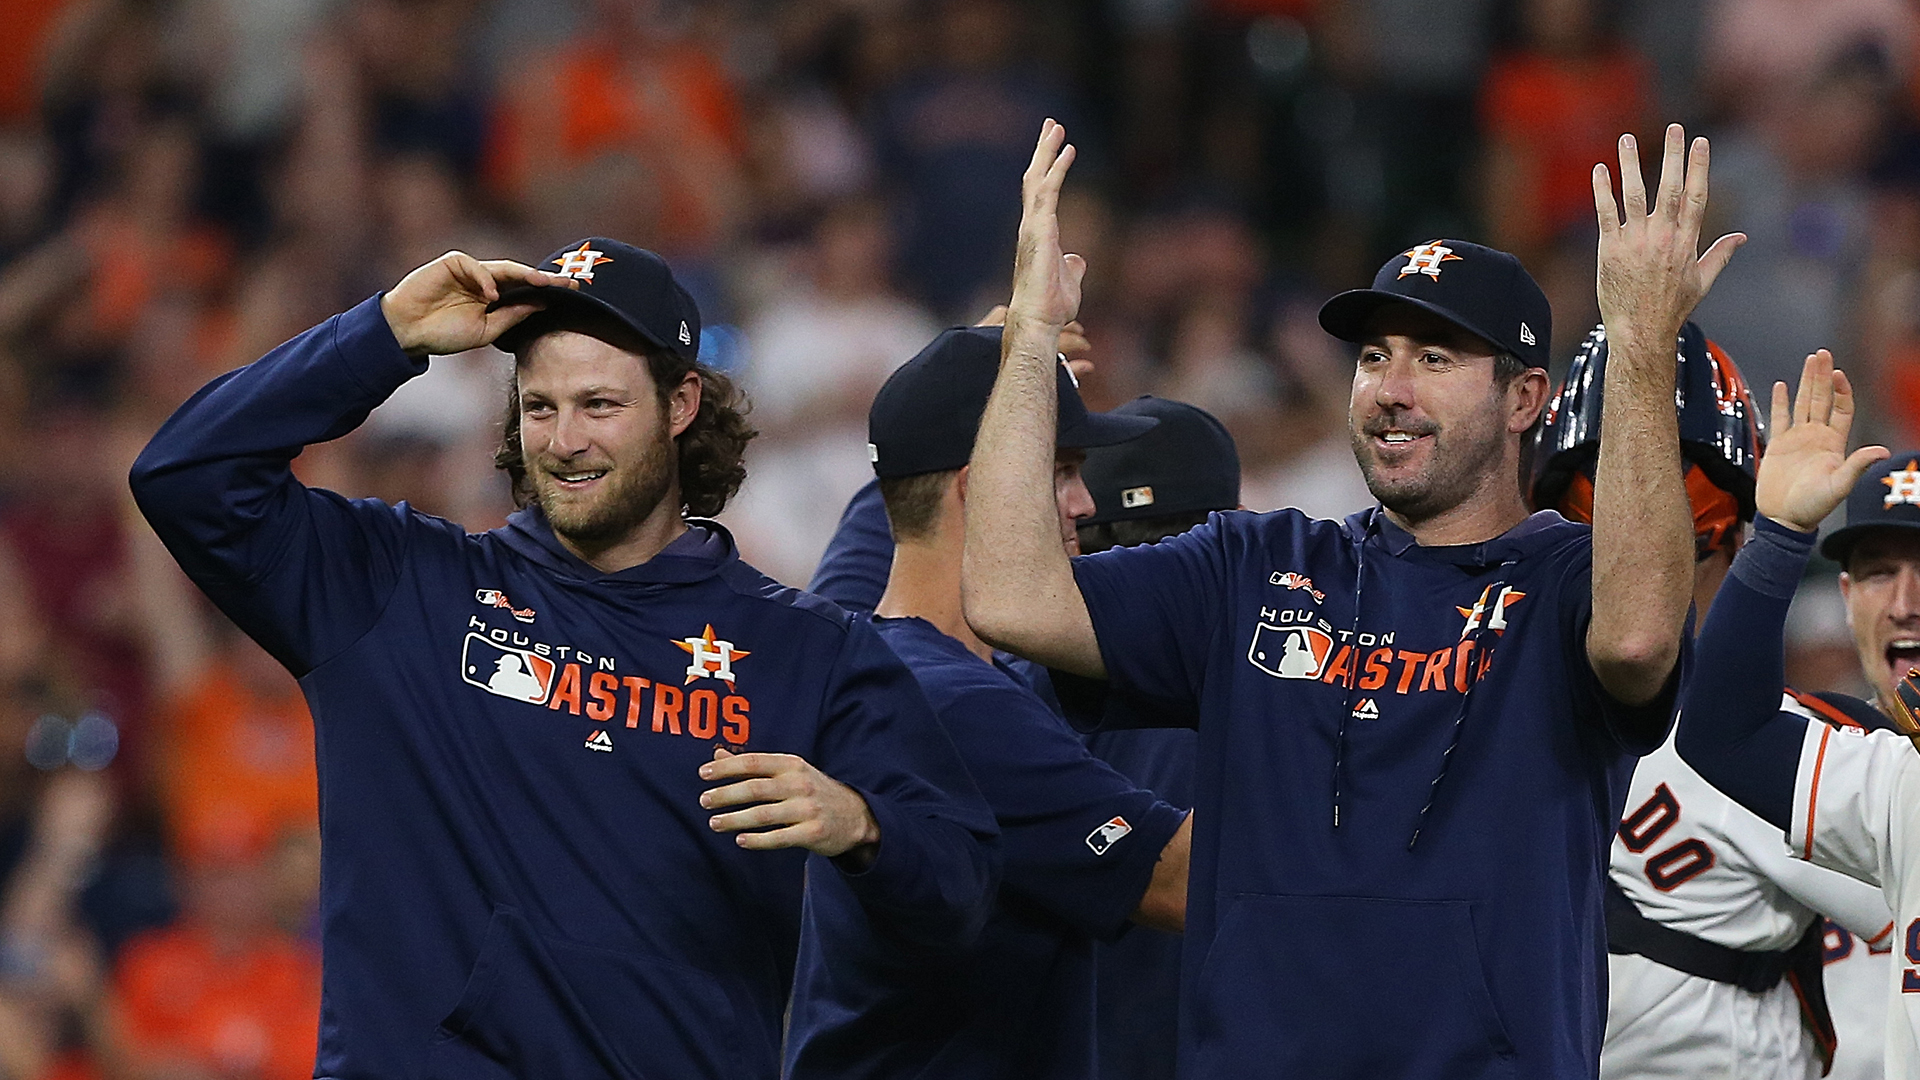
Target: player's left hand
<point x="789" y="804"/>
<point x="1806" y="471"/>
<point x="1651" y="274"/>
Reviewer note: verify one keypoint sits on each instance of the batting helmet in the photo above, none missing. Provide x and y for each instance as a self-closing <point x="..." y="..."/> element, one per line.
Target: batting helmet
<point x="1720" y="437"/>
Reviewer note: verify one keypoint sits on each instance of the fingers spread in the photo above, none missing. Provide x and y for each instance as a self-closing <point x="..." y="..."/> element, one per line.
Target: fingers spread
<point x="1780" y="417"/>
<point x="1695" y="209"/>
<point x="1633" y="187"/>
<point x="1842" y="421"/>
<point x="1860" y="461"/>
<point x="1603" y="203"/>
<point x="1717" y="257"/>
<point x="1819" y="380"/>
<point x="1672" y="173"/>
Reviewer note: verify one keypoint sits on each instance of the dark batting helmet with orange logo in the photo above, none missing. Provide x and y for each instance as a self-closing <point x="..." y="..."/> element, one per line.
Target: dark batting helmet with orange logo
<point x="1720" y="438"/>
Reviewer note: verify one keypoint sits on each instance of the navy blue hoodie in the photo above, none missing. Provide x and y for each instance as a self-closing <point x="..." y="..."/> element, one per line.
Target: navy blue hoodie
<point x="517" y="876"/>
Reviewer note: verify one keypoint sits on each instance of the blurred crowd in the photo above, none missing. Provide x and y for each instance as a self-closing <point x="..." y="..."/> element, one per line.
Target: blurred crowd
<point x="186" y="183"/>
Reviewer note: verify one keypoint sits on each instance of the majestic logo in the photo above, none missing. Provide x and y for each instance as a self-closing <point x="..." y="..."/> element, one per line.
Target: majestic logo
<point x="1903" y="485"/>
<point x="1426" y="259"/>
<point x="1291" y="580"/>
<point x="519" y="674"/>
<point x="1108" y="834"/>
<point x="1366" y="710"/>
<point x="1290" y="652"/>
<point x="496" y="598"/>
<point x="600" y="741"/>
<point x="579" y="263"/>
<point x="1137" y="496"/>
<point x="712" y="657"/>
<point x="1491" y="609"/>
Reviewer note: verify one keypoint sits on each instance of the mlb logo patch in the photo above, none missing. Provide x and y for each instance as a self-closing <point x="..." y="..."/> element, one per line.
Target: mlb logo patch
<point x="508" y="673"/>
<point x="1290" y="652"/>
<point x="1108" y="834"/>
<point x="1137" y="496"/>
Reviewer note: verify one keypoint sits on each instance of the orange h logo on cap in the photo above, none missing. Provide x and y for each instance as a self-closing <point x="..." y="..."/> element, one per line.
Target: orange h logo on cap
<point x="579" y="264"/>
<point x="1426" y="259"/>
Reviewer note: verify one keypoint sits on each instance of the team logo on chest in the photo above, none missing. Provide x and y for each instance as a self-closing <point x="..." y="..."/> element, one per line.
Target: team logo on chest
<point x="1490" y="609"/>
<point x="712" y="657"/>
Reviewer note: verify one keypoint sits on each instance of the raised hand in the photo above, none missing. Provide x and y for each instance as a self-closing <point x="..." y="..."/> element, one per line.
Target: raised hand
<point x="1806" y="471"/>
<point x="1046" y="283"/>
<point x="1650" y="273"/>
<point x="442" y="308"/>
<point x="789" y="804"/>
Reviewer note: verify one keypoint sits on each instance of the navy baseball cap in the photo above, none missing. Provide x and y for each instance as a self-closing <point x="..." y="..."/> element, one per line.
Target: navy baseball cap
<point x="926" y="414"/>
<point x="1478" y="289"/>
<point x="1187" y="463"/>
<point x="631" y="284"/>
<point x="1888" y="497"/>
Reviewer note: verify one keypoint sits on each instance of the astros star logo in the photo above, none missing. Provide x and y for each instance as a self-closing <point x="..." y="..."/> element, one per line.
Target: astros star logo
<point x="1903" y="485"/>
<point x="1492" y="609"/>
<point x="579" y="264"/>
<point x="1426" y="259"/>
<point x="712" y="657"/>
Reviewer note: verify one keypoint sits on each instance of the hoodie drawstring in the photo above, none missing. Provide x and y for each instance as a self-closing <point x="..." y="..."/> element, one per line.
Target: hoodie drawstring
<point x="1474" y="636"/>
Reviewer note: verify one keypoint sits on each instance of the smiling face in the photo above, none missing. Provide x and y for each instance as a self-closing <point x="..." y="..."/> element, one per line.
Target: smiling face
<point x="1431" y="425"/>
<point x="1882" y="589"/>
<point x="597" y="437"/>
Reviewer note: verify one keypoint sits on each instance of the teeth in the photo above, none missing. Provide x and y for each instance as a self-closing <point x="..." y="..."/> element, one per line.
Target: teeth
<point x="1905" y="645"/>
<point x="1397" y="436"/>
<point x="574" y="478"/>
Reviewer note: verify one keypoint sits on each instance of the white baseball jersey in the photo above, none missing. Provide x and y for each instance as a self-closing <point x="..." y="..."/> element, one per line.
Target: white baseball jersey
<point x="1856" y="974"/>
<point x="1695" y="861"/>
<point x="1856" y="809"/>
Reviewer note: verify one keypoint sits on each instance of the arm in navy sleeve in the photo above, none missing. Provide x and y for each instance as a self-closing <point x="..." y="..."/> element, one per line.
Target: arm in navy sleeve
<point x="1732" y="730"/>
<point x="304" y="572"/>
<point x="854" y="570"/>
<point x="938" y="864"/>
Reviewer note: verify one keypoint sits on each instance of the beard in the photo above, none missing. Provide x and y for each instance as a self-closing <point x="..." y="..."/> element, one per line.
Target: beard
<point x="1456" y="464"/>
<point x="605" y="517"/>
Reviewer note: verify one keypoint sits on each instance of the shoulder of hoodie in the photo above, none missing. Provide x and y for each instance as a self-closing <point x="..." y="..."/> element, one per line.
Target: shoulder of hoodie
<point x="1547" y="533"/>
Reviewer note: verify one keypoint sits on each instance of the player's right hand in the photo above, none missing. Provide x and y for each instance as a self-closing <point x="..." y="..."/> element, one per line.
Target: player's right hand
<point x="441" y="308"/>
<point x="1046" y="283"/>
<point x="1806" y="471"/>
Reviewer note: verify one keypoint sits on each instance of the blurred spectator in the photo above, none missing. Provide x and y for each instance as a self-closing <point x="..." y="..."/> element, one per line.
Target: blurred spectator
<point x="1755" y="51"/>
<point x="1795" y="183"/>
<point x="225" y="993"/>
<point x="817" y="352"/>
<point x="1549" y="110"/>
<point x="954" y="140"/>
<point x="628" y="130"/>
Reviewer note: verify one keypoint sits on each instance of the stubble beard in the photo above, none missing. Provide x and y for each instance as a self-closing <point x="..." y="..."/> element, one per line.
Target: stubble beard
<point x="611" y="515"/>
<point x="1456" y="467"/>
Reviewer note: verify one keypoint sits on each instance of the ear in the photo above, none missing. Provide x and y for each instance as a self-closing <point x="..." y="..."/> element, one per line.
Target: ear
<point x="683" y="404"/>
<point x="1527" y="396"/>
<point x="1846" y="590"/>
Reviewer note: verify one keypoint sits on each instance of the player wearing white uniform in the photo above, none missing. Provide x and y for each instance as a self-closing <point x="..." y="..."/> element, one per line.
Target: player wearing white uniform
<point x="1856" y="973"/>
<point x="1714" y="932"/>
<point x="1844" y="798"/>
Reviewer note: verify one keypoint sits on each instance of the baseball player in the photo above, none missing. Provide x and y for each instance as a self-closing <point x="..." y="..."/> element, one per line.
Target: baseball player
<point x="1839" y="794"/>
<point x="575" y="770"/>
<point x="1086" y="849"/>
<point x="1146" y="489"/>
<point x="1417" y="724"/>
<point x="1716" y="948"/>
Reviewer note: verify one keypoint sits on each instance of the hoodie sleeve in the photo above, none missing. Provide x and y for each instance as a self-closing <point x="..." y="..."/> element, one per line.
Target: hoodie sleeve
<point x="304" y="572"/>
<point x="853" y="573"/>
<point x="1732" y="729"/>
<point x="934" y="877"/>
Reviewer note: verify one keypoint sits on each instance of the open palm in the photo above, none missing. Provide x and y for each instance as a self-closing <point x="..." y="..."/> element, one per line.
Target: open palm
<point x="1806" y="471"/>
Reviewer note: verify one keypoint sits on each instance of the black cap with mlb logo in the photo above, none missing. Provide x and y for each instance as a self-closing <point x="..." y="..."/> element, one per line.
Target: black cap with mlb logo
<point x="1186" y="464"/>
<point x="631" y="284"/>
<point x="1887" y="497"/>
<point x="1478" y="289"/>
<point x="927" y="413"/>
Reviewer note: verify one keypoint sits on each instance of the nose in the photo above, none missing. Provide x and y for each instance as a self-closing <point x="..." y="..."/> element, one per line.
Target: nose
<point x="569" y="432"/>
<point x="1075" y="500"/>
<point x="1906" y="593"/>
<point x="1394" y="388"/>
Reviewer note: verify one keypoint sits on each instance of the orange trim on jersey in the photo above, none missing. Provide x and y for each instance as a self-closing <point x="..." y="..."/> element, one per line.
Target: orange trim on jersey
<point x="1829" y="713"/>
<point x="1881" y="936"/>
<point x="1813" y="789"/>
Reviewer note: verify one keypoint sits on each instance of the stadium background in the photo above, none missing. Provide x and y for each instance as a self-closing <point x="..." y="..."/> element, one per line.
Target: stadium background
<point x="185" y="183"/>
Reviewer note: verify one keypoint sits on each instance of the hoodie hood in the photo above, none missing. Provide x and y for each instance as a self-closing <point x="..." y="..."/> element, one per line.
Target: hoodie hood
<point x="703" y="551"/>
<point x="1541" y="530"/>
